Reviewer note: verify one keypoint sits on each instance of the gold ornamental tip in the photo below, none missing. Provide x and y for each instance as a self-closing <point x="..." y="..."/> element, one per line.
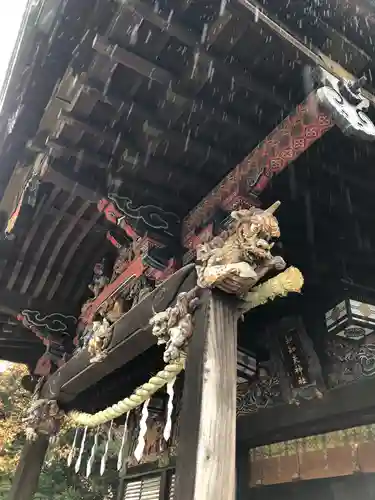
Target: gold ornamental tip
<point x="272" y="209"/>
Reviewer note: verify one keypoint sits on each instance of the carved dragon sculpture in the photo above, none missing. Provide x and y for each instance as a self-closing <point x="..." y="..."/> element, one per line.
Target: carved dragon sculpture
<point x="237" y="259"/>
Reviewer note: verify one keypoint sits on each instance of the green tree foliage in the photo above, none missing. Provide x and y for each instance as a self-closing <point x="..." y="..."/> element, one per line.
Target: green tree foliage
<point x="57" y="480"/>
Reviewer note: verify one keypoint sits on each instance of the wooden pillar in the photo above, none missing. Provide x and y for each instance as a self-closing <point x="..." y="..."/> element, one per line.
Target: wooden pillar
<point x="26" y="478"/>
<point x="242" y="471"/>
<point x="207" y="443"/>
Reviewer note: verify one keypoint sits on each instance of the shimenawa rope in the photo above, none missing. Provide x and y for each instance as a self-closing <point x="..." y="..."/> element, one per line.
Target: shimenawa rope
<point x="143" y="393"/>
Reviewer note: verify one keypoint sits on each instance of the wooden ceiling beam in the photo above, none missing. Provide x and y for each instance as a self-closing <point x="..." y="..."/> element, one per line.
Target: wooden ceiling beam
<point x="85" y="86"/>
<point x="71" y="186"/>
<point x="57" y="149"/>
<point x="138" y="181"/>
<point x="316" y="56"/>
<point x="130" y="60"/>
<point x="125" y="105"/>
<point x="86" y="229"/>
<point x="181" y="103"/>
<point x="58" y="247"/>
<point x="37" y="256"/>
<point x="154" y="126"/>
<point x="253" y="174"/>
<point x="155" y="171"/>
<point x="136" y="188"/>
<point x="99" y="228"/>
<point x="30" y="236"/>
<point x="174" y="29"/>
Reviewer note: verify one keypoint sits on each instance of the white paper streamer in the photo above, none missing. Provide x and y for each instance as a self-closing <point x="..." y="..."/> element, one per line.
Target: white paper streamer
<point x="91" y="460"/>
<point x="120" y="458"/>
<point x="103" y="462"/>
<point x="81" y="450"/>
<point x="168" y="424"/>
<point x="138" y="452"/>
<point x="73" y="449"/>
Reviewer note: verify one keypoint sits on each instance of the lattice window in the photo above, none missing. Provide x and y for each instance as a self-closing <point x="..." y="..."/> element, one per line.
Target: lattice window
<point x="172" y="487"/>
<point x="143" y="489"/>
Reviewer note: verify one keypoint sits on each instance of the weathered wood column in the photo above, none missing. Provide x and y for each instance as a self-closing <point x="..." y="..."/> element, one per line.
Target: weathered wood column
<point x="207" y="444"/>
<point x="26" y="478"/>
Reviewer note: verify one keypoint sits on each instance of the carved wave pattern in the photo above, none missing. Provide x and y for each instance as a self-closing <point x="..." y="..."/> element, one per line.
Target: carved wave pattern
<point x="54" y="322"/>
<point x="152" y="216"/>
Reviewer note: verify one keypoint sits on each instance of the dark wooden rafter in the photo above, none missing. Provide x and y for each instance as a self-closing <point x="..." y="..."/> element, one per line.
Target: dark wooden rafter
<point x="130" y="155"/>
<point x="71" y="186"/>
<point x="18" y="345"/>
<point x="147" y="69"/>
<point x="23" y="355"/>
<point x="57" y="149"/>
<point x="87" y="89"/>
<point x="43" y="244"/>
<point x="59" y="246"/>
<point x="29" y="238"/>
<point x="220" y="117"/>
<point x="190" y="39"/>
<point x="311" y="53"/>
<point x="143" y="189"/>
<point x="217" y="37"/>
<point x="156" y="129"/>
<point x="82" y="221"/>
<point x="74" y="247"/>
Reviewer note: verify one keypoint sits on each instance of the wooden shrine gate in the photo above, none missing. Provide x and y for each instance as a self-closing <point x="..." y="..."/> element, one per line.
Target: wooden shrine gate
<point x="125" y="147"/>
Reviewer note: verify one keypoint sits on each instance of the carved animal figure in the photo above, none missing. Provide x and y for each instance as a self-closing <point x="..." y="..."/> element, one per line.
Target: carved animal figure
<point x="44" y="417"/>
<point x="236" y="260"/>
<point x="99" y="341"/>
<point x="174" y="326"/>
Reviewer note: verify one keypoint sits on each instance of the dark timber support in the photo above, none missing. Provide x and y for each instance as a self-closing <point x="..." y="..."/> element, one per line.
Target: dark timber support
<point x="242" y="471"/>
<point x="206" y="465"/>
<point x="25" y="482"/>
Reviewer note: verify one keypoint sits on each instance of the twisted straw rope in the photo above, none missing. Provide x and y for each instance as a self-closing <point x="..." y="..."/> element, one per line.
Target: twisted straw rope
<point x="139" y="396"/>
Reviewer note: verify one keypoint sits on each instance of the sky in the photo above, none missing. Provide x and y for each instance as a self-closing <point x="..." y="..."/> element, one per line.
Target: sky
<point x="10" y="21"/>
<point x="3" y="365"/>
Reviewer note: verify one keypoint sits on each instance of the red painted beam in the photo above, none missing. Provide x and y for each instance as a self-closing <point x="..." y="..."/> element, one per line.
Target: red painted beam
<point x="135" y="269"/>
<point x="283" y="145"/>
